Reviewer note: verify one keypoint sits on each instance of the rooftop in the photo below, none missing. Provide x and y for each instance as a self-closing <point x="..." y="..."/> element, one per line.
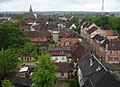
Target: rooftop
<point x="92" y="30"/>
<point x="95" y="73"/>
<point x="23" y="69"/>
<point x="111" y="32"/>
<point x="58" y="48"/>
<point x="87" y="24"/>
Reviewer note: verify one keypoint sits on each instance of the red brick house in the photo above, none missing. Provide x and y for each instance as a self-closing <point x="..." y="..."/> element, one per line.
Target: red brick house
<point x="108" y="50"/>
<point x="58" y="50"/>
<point x="113" y="51"/>
<point x="39" y="38"/>
<point x="40" y="41"/>
<point x="99" y="46"/>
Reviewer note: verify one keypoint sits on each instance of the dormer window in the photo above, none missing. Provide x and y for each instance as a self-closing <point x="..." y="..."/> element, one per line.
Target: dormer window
<point x="91" y="62"/>
<point x="66" y="43"/>
<point x="99" y="68"/>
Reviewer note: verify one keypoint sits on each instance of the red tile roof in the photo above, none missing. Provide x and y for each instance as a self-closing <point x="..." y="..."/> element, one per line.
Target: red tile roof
<point x="14" y="20"/>
<point x="39" y="39"/>
<point x="72" y="41"/>
<point x="111" y="32"/>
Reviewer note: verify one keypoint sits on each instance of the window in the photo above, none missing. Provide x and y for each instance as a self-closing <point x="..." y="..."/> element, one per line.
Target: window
<point x="56" y="58"/>
<point x="62" y="58"/>
<point x="25" y="58"/>
<point x="66" y="43"/>
<point x="22" y="58"/>
<point x="61" y="52"/>
<point x="110" y="52"/>
<point x="62" y="73"/>
<point x="30" y="58"/>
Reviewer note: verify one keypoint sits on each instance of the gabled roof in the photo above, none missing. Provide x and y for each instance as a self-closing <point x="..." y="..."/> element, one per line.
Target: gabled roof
<point x="79" y="51"/>
<point x="39" y="39"/>
<point x="58" y="48"/>
<point x="26" y="27"/>
<point x="101" y="40"/>
<point x="114" y="44"/>
<point x="36" y="34"/>
<point x="41" y="20"/>
<point x="96" y="75"/>
<point x="72" y="33"/>
<point x="45" y="27"/>
<point x="68" y="24"/>
<point x="111" y="32"/>
<point x="106" y="81"/>
<point x="30" y="15"/>
<point x="87" y="24"/>
<point x="106" y="41"/>
<point x="97" y="36"/>
<point x="72" y="41"/>
<point x="92" y="30"/>
<point x="63" y="67"/>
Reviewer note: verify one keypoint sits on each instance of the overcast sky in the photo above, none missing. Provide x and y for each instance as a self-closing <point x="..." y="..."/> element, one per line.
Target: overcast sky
<point x="59" y="5"/>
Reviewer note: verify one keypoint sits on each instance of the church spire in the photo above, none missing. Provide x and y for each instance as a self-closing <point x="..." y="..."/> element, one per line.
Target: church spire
<point x="30" y="10"/>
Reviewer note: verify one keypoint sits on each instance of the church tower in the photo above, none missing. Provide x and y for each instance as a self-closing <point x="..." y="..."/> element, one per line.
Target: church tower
<point x="30" y="10"/>
<point x="30" y="16"/>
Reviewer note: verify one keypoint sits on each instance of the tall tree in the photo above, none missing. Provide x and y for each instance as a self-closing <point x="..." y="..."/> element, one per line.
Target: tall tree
<point x="8" y="61"/>
<point x="11" y="36"/>
<point x="45" y="72"/>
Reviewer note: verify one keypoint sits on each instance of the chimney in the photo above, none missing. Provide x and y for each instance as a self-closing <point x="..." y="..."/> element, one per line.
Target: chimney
<point x="106" y="47"/>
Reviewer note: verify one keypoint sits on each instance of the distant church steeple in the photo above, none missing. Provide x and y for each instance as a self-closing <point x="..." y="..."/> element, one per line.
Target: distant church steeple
<point x="30" y="10"/>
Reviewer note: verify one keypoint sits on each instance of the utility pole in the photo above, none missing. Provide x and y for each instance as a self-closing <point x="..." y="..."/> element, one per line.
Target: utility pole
<point x="102" y="7"/>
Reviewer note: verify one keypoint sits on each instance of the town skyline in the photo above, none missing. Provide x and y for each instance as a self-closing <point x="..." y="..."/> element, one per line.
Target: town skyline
<point x="59" y="5"/>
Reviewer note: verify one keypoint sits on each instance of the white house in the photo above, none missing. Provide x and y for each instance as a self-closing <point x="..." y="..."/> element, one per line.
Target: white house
<point x="59" y="59"/>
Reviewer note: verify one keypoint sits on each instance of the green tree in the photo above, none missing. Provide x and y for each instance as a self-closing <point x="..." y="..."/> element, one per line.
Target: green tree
<point x="107" y="23"/>
<point x="11" y="36"/>
<point x="75" y="21"/>
<point x="22" y="21"/>
<point x="30" y="49"/>
<point x="45" y="72"/>
<point x="8" y="61"/>
<point x="7" y="83"/>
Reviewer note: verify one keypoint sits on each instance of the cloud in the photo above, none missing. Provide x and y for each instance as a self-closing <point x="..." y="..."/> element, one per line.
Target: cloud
<point x="59" y="5"/>
<point x="2" y="1"/>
